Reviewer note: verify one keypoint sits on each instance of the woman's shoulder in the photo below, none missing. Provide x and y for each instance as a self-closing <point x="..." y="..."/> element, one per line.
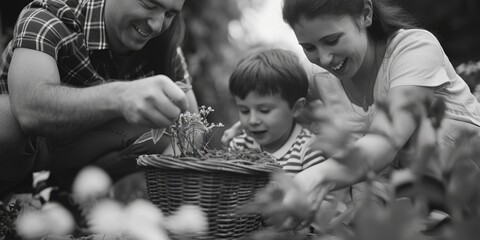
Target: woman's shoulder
<point x="411" y="34"/>
<point x="409" y="37"/>
<point x="418" y="41"/>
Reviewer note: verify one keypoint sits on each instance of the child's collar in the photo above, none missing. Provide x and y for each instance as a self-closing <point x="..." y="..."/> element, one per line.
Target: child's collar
<point x="288" y="144"/>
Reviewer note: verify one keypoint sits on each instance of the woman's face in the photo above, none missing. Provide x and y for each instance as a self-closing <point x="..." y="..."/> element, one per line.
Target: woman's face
<point x="335" y="43"/>
<point x="131" y="24"/>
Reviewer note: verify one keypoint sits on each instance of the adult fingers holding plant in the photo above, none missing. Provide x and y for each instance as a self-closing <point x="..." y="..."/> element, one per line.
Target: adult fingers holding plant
<point x="153" y="102"/>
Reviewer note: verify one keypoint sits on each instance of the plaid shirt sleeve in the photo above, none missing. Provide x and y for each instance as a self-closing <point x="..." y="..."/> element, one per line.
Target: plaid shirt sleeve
<point x="40" y="30"/>
<point x="181" y="68"/>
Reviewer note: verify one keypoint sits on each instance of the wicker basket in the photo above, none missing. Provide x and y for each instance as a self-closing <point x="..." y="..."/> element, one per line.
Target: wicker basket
<point x="218" y="186"/>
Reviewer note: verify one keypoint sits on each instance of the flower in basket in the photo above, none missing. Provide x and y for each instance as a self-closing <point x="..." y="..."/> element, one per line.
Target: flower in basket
<point x="186" y="133"/>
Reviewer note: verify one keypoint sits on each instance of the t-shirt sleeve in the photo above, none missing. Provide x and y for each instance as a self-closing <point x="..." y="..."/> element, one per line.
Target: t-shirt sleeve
<point x="38" y="29"/>
<point x="417" y="59"/>
<point x="312" y="156"/>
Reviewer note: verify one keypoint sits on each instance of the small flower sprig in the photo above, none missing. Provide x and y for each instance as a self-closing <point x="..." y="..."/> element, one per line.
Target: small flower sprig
<point x="188" y="131"/>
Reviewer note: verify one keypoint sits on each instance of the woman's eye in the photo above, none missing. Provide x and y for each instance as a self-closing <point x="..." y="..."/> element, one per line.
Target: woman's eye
<point x="309" y="48"/>
<point x="331" y="42"/>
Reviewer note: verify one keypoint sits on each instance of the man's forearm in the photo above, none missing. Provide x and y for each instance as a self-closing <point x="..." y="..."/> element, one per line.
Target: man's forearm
<point x="56" y="110"/>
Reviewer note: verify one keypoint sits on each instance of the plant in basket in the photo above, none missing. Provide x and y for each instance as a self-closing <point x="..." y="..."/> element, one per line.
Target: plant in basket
<point x="217" y="181"/>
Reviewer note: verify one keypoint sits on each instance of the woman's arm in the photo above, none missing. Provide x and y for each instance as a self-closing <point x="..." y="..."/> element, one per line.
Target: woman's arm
<point x="377" y="149"/>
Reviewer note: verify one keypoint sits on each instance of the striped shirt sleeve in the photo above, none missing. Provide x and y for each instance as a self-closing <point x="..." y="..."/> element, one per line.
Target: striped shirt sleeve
<point x="311" y="155"/>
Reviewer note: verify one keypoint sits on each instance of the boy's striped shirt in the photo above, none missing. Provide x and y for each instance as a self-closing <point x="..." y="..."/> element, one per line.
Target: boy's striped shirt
<point x="294" y="156"/>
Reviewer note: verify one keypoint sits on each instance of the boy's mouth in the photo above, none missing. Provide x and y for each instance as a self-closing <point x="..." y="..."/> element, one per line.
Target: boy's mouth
<point x="258" y="134"/>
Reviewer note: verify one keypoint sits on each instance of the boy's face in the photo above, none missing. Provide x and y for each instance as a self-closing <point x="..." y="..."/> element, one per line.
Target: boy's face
<point x="132" y="23"/>
<point x="268" y="119"/>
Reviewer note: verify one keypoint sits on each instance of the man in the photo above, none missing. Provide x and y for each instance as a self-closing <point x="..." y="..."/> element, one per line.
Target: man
<point x="82" y="80"/>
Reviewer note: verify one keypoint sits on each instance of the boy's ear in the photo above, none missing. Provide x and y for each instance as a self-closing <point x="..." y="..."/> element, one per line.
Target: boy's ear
<point x="298" y="106"/>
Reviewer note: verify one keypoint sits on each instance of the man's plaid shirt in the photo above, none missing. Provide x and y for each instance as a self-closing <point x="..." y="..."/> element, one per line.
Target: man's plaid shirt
<point x="73" y="33"/>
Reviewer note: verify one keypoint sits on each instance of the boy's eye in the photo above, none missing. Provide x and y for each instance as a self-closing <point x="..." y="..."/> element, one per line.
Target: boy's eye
<point x="244" y="111"/>
<point x="264" y="110"/>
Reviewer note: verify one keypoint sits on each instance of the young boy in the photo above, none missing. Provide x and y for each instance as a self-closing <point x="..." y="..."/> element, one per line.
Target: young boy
<point x="270" y="88"/>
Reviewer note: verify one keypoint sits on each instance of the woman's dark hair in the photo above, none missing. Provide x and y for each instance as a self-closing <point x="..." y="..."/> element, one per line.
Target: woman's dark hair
<point x="267" y="72"/>
<point x="162" y="50"/>
<point x="387" y="17"/>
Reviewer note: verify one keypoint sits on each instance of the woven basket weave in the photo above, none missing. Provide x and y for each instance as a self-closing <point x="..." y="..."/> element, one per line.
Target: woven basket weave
<point x="218" y="186"/>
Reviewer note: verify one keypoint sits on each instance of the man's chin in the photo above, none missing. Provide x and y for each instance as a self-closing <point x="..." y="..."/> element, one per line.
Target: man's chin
<point x="134" y="46"/>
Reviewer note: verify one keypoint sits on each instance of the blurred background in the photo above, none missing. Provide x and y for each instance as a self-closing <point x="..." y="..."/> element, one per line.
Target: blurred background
<point x="221" y="31"/>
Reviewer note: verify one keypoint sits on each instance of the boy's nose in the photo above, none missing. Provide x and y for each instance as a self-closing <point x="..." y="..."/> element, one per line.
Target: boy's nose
<point x="253" y="120"/>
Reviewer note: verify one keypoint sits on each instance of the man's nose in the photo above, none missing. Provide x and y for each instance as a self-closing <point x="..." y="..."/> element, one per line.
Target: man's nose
<point x="156" y="22"/>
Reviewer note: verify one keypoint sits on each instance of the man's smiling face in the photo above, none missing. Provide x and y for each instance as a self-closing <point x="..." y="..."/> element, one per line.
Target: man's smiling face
<point x="130" y="24"/>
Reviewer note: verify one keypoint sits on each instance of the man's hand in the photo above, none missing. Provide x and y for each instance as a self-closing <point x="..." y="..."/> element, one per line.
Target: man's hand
<point x="153" y="102"/>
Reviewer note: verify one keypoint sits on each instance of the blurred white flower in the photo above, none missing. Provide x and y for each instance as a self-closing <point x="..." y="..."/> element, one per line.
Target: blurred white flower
<point x="31" y="225"/>
<point x="91" y="182"/>
<point x="145" y="221"/>
<point x="142" y="212"/>
<point x="188" y="220"/>
<point x="146" y="232"/>
<point x="58" y="219"/>
<point x="107" y="217"/>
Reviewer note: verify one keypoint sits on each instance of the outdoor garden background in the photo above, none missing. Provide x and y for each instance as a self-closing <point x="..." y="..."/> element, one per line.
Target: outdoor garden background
<point x="220" y="31"/>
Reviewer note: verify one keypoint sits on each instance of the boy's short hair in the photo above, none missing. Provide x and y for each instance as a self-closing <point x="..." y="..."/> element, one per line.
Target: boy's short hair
<point x="268" y="72"/>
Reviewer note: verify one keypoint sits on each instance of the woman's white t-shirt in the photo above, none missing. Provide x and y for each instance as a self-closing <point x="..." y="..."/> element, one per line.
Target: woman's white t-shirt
<point x="413" y="57"/>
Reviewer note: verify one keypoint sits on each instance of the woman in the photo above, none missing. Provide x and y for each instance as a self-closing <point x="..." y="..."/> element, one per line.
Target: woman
<point x="375" y="54"/>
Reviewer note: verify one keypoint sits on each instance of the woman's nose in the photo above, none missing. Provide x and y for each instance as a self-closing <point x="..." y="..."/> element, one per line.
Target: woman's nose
<point x="324" y="58"/>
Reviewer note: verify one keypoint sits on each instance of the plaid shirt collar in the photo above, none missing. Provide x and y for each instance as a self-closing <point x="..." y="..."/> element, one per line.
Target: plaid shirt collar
<point x="95" y="29"/>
